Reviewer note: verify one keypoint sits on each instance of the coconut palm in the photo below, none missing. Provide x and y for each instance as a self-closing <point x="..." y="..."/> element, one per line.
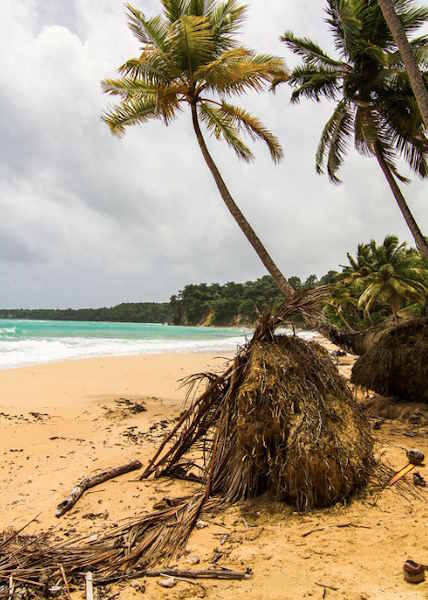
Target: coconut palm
<point x="375" y="103"/>
<point x="190" y="57"/>
<point x="342" y="299"/>
<point x="391" y="13"/>
<point x="390" y="274"/>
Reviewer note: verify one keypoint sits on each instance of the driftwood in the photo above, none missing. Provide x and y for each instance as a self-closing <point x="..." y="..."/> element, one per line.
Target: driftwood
<point x="89" y="482"/>
<point x="224" y="574"/>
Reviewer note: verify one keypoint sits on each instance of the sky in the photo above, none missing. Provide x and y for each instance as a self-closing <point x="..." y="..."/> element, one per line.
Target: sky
<point x="91" y="220"/>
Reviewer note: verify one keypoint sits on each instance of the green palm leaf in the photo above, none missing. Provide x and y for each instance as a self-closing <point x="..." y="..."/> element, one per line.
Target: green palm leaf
<point x="254" y="127"/>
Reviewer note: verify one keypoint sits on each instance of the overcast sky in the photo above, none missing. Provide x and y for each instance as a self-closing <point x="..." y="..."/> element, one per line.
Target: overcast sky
<point x="90" y="220"/>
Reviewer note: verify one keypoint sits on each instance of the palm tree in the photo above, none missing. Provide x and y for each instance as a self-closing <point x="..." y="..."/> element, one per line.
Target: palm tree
<point x="342" y="300"/>
<point x="375" y="103"/>
<point x="190" y="57"/>
<point x="391" y="12"/>
<point x="390" y="274"/>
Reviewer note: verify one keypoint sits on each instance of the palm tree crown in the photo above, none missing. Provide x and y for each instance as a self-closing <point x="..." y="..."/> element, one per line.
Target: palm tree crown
<point x="390" y="274"/>
<point x="375" y="102"/>
<point x="189" y="55"/>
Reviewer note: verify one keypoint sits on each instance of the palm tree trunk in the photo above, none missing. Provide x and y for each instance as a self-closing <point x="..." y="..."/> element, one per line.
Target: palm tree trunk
<point x="235" y="211"/>
<point x="416" y="80"/>
<point x="401" y="201"/>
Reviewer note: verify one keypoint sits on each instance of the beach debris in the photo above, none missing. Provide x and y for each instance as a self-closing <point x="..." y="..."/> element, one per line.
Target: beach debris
<point x="327" y="587"/>
<point x="89" y="584"/>
<point x="201" y="524"/>
<point x="418" y="480"/>
<point x="131" y="405"/>
<point x="194" y="560"/>
<point x="89" y="482"/>
<point x="66" y="586"/>
<point x="338" y="525"/>
<point x="400" y="474"/>
<point x="221" y="574"/>
<point x="415" y="456"/>
<point x="413" y="572"/>
<point x="168" y="582"/>
<point x="395" y="362"/>
<point x="217" y="554"/>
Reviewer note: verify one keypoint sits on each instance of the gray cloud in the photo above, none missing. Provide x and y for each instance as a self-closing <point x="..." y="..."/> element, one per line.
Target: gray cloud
<point x="92" y="220"/>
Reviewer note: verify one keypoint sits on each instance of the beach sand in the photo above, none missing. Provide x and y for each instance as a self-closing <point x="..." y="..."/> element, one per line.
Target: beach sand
<point x="59" y="422"/>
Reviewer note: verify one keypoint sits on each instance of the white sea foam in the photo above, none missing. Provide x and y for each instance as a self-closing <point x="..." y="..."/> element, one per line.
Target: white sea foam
<point x="6" y="331"/>
<point x="16" y="353"/>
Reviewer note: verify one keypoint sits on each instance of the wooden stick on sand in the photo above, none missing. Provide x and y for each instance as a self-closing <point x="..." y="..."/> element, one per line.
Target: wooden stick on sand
<point x="89" y="482"/>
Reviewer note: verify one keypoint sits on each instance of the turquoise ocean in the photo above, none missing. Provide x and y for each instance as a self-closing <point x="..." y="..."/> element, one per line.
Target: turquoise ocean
<point x="24" y="342"/>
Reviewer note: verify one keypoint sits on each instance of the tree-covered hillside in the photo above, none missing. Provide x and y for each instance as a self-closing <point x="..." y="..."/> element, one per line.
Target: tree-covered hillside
<point x="210" y="304"/>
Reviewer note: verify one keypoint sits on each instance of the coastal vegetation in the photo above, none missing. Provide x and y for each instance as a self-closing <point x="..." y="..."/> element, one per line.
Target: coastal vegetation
<point x="376" y="107"/>
<point x="381" y="283"/>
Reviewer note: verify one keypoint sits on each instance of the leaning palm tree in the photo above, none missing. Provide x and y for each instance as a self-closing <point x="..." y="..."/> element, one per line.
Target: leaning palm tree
<point x="375" y="103"/>
<point x="190" y="57"/>
<point x="391" y="10"/>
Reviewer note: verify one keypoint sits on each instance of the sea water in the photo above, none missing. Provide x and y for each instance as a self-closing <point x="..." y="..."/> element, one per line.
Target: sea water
<point x="25" y="342"/>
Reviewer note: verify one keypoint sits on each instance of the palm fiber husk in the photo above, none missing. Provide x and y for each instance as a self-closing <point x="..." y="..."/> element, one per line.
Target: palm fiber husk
<point x="397" y="363"/>
<point x="299" y="428"/>
<point x="309" y="445"/>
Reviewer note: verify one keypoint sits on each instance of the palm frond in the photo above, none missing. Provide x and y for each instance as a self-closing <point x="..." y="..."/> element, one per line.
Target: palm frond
<point x="226" y="20"/>
<point x="227" y="57"/>
<point x="370" y="135"/>
<point x="314" y="83"/>
<point x="344" y="18"/>
<point x="334" y="140"/>
<point x="254" y="127"/>
<point x="419" y="47"/>
<point x="174" y="9"/>
<point x="130" y="113"/>
<point x="249" y="73"/>
<point x="411" y="16"/>
<point x="311" y="52"/>
<point x="191" y="42"/>
<point x="128" y="87"/>
<point x="403" y="126"/>
<point x="221" y="126"/>
<point x="152" y="66"/>
<point x="152" y="31"/>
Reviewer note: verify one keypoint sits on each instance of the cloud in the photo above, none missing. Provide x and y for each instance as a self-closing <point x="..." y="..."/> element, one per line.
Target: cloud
<point x="91" y="220"/>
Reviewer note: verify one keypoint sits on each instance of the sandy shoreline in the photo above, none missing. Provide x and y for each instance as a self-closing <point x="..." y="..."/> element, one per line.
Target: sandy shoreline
<point x="60" y="421"/>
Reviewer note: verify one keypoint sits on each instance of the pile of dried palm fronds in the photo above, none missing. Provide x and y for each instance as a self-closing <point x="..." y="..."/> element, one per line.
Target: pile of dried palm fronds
<point x="280" y="418"/>
<point x="396" y="364"/>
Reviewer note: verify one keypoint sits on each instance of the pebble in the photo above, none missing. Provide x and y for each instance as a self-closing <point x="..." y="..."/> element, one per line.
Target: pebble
<point x="168" y="582"/>
<point x="201" y="524"/>
<point x="415" y="456"/>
